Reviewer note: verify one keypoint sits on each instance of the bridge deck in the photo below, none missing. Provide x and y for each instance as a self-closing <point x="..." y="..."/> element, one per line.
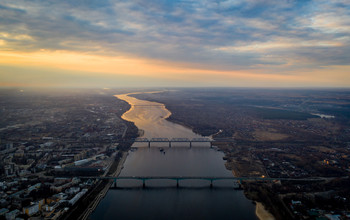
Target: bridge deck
<point x="204" y="178"/>
<point x="181" y="140"/>
<point x="211" y="179"/>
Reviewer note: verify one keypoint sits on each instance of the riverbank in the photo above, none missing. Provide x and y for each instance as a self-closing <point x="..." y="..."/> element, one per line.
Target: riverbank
<point x="260" y="210"/>
<point x="86" y="205"/>
<point x="262" y="213"/>
<point x="103" y="192"/>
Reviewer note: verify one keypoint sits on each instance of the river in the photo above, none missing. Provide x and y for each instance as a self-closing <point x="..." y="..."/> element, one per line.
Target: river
<point x="161" y="199"/>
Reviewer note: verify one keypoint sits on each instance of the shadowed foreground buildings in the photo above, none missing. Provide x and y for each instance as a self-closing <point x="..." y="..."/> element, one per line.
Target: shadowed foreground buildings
<point x="47" y="136"/>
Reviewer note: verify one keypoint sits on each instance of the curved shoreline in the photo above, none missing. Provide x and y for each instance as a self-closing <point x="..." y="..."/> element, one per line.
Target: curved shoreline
<point x="122" y="97"/>
<point x="157" y="117"/>
<point x="262" y="213"/>
<point x="163" y="106"/>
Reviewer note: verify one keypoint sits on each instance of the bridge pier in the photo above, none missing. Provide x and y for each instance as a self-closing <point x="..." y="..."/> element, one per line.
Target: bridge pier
<point x="190" y="144"/>
<point x="177" y="183"/>
<point x="211" y="183"/>
<point x="115" y="183"/>
<point x="211" y="144"/>
<point x="143" y="183"/>
<point x="169" y="144"/>
<point x="149" y="144"/>
<point x="239" y="184"/>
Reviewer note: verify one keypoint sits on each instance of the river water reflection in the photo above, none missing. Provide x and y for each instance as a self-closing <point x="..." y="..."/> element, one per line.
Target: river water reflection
<point x="151" y="118"/>
<point x="194" y="199"/>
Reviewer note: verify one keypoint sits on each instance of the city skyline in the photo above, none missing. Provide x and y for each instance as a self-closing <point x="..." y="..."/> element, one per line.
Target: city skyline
<point x="174" y="43"/>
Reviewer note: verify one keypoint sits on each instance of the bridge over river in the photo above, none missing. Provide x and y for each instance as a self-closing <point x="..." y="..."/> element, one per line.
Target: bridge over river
<point x="210" y="179"/>
<point x="181" y="140"/>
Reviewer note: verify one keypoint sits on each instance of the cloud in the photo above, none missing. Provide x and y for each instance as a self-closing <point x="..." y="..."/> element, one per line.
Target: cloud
<point x="223" y="35"/>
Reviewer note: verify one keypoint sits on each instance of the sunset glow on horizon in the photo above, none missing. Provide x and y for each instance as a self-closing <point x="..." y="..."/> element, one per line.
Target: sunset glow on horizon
<point x="175" y="43"/>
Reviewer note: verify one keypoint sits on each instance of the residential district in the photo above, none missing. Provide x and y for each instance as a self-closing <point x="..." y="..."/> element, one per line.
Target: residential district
<point x="46" y="141"/>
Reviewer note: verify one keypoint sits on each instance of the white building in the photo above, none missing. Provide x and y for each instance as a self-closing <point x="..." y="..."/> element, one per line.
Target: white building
<point x="31" y="210"/>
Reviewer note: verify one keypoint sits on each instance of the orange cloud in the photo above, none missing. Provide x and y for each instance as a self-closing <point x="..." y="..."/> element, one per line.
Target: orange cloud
<point x="104" y="64"/>
<point x="100" y="66"/>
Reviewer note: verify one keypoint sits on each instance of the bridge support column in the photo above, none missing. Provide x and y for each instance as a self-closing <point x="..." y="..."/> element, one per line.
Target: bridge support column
<point x="211" y="144"/>
<point x="211" y="183"/>
<point x="190" y="144"/>
<point x="169" y="143"/>
<point x="239" y="184"/>
<point x="149" y="144"/>
<point x="115" y="183"/>
<point x="143" y="183"/>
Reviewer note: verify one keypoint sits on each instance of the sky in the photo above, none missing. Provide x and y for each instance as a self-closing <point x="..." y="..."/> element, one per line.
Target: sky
<point x="173" y="43"/>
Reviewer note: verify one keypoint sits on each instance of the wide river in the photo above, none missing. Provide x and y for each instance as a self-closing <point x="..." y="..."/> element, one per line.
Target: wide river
<point x="161" y="199"/>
